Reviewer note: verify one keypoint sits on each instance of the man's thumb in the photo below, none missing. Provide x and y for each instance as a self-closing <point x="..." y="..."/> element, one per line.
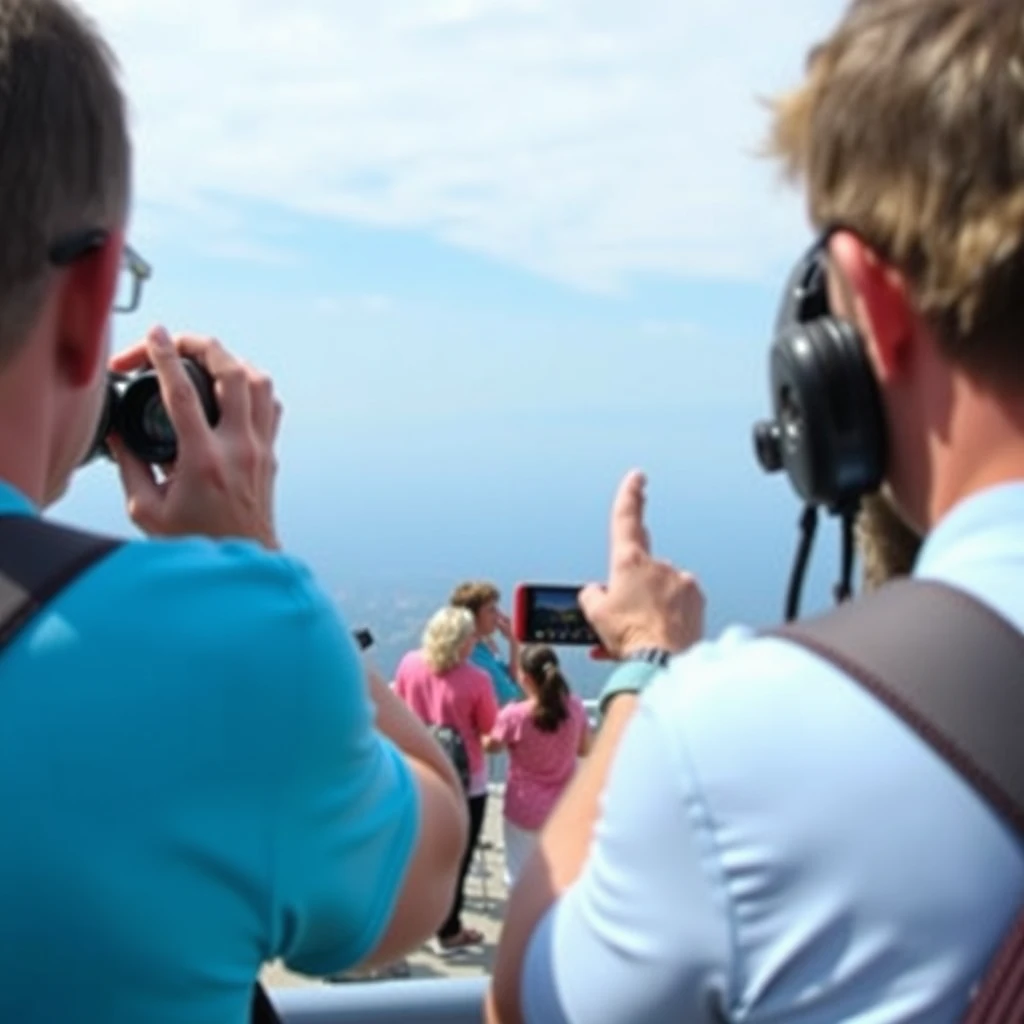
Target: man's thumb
<point x="139" y="483"/>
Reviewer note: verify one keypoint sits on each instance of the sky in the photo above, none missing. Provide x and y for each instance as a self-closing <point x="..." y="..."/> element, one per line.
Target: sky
<point x="494" y="253"/>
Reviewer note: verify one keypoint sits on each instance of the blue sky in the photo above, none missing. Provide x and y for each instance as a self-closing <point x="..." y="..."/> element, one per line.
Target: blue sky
<point x="494" y="253"/>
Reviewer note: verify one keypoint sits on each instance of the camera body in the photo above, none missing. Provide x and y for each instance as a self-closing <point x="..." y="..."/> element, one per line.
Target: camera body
<point x="134" y="410"/>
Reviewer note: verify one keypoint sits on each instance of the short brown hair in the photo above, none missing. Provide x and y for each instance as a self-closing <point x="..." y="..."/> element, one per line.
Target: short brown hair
<point x="909" y="131"/>
<point x="65" y="164"/>
<point x="474" y="596"/>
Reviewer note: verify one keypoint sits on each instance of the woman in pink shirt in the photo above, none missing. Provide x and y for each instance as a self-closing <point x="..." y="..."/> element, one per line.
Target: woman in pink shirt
<point x="544" y="735"/>
<point x="442" y="688"/>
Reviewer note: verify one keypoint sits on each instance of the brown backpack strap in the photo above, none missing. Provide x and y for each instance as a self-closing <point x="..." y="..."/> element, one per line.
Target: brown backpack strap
<point x="953" y="669"/>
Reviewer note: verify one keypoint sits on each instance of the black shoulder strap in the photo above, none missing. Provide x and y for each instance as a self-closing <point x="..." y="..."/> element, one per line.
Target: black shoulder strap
<point x="37" y="560"/>
<point x="953" y="669"/>
<point x="950" y="666"/>
<point x="262" y="1010"/>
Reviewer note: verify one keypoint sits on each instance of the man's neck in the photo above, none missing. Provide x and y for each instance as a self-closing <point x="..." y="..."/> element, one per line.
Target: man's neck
<point x="984" y="448"/>
<point x="26" y="425"/>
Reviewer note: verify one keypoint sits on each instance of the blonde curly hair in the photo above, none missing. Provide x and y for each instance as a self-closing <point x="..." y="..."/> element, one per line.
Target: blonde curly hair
<point x="445" y="637"/>
<point x="888" y="546"/>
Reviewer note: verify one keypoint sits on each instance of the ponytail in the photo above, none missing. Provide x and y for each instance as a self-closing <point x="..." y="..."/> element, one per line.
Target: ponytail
<point x="541" y="665"/>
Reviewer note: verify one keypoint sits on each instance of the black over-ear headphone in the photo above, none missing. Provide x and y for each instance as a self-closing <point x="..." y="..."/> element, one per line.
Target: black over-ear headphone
<point x="828" y="432"/>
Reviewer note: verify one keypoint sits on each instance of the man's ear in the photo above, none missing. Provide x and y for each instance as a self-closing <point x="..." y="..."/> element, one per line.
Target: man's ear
<point x="879" y="303"/>
<point x="84" y="303"/>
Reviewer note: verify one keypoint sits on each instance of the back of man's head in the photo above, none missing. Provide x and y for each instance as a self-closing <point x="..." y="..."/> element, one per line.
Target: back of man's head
<point x="64" y="149"/>
<point x="909" y="131"/>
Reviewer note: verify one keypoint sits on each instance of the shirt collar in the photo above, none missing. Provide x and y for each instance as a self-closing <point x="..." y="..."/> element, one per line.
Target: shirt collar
<point x="992" y="514"/>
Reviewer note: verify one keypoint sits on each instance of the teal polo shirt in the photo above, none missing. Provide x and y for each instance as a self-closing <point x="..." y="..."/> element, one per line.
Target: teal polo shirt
<point x="506" y="689"/>
<point x="191" y="785"/>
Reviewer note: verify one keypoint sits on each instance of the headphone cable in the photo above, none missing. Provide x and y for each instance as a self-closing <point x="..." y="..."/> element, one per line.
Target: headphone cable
<point x="808" y="528"/>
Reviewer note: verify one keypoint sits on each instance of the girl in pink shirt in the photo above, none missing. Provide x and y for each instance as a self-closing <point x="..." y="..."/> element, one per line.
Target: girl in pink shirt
<point x="442" y="688"/>
<point x="544" y="735"/>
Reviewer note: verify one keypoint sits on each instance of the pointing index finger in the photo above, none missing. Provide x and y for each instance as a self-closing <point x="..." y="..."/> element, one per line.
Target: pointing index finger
<point x="628" y="533"/>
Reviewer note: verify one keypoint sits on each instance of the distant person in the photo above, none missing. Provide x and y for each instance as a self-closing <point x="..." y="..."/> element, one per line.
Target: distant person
<point x="755" y="835"/>
<point x="443" y="689"/>
<point x="544" y="735"/>
<point x="482" y="599"/>
<point x="196" y="776"/>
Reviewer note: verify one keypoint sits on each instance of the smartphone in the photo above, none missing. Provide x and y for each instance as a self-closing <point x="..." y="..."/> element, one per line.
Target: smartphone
<point x="549" y="613"/>
<point x="364" y="638"/>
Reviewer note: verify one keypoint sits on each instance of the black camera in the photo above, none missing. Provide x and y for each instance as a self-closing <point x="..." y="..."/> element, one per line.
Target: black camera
<point x="135" y="412"/>
<point x="364" y="638"/>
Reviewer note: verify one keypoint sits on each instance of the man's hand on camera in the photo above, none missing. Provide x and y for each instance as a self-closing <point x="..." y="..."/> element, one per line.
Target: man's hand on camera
<point x="646" y="603"/>
<point x="222" y="483"/>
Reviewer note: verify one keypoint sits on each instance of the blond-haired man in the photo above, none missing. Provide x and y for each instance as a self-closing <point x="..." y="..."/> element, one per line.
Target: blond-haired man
<point x="755" y="837"/>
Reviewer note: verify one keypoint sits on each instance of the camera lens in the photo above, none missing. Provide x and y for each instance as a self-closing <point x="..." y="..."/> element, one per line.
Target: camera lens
<point x="156" y="424"/>
<point x="142" y="421"/>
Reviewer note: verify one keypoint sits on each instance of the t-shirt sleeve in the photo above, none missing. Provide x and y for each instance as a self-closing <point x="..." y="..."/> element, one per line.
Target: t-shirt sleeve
<point x="643" y="934"/>
<point x="505" y="727"/>
<point x="347" y="809"/>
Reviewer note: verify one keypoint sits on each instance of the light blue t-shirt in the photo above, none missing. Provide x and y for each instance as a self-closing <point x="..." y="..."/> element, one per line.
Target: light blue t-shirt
<point x="190" y="785"/>
<point x="506" y="689"/>
<point x="774" y="845"/>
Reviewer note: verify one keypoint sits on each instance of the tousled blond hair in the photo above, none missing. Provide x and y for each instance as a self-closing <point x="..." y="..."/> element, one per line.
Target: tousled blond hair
<point x="445" y="636"/>
<point x="909" y="131"/>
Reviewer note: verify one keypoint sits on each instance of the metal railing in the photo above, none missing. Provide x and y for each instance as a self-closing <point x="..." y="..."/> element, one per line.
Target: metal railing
<point x="444" y="1001"/>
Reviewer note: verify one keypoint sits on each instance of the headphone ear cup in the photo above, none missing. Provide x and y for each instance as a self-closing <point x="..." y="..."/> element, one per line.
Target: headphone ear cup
<point x="828" y="409"/>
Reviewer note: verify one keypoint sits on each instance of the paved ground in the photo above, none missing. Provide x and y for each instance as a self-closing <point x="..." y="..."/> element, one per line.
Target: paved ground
<point x="485" y="908"/>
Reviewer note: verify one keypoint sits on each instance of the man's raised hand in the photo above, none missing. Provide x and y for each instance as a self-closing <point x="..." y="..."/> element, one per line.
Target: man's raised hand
<point x="222" y="483"/>
<point x="646" y="602"/>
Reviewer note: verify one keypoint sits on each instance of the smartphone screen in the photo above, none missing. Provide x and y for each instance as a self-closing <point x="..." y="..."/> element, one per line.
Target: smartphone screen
<point x="548" y="613"/>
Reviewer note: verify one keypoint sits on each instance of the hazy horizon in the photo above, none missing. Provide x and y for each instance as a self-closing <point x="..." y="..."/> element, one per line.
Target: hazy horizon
<point x="494" y="253"/>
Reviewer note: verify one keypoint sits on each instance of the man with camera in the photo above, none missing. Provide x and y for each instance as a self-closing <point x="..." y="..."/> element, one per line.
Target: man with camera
<point x="197" y="777"/>
<point x="755" y="836"/>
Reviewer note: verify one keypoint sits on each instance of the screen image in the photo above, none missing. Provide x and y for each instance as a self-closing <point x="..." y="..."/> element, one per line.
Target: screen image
<point x="555" y="617"/>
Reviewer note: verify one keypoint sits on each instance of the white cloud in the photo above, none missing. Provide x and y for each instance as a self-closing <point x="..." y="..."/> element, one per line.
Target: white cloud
<point x="587" y="140"/>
